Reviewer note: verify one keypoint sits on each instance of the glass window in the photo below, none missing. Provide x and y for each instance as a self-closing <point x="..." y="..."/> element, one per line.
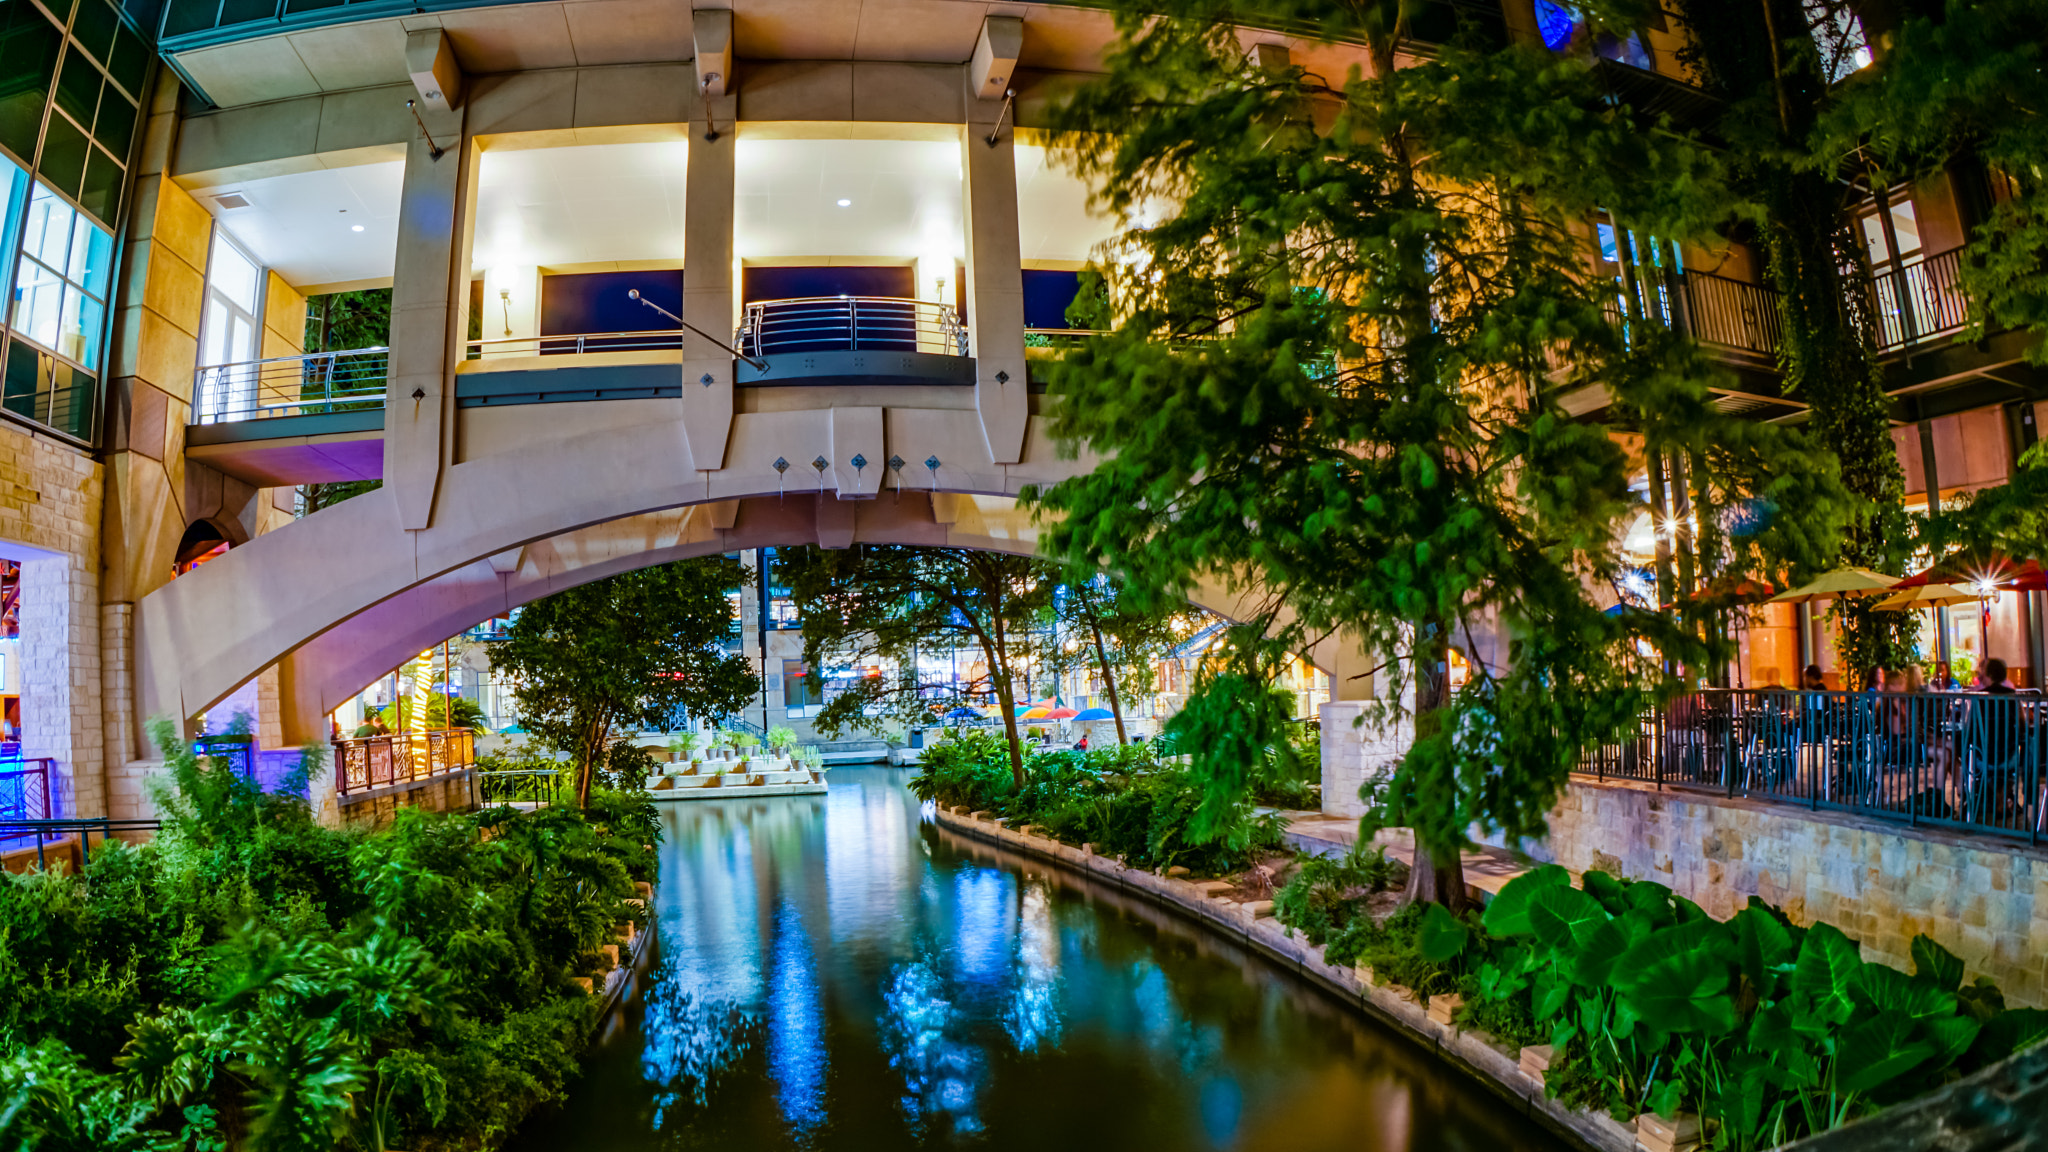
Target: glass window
<point x="63" y="160"/>
<point x="229" y="331"/>
<point x="29" y="46"/>
<point x="1905" y="228"/>
<point x="60" y="284"/>
<point x="78" y="87"/>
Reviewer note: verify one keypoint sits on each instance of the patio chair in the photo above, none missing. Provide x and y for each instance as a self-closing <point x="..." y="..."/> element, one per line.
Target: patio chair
<point x="1995" y="750"/>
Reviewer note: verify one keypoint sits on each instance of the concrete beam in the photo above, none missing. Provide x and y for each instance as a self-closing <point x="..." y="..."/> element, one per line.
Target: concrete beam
<point x="431" y="61"/>
<point x="994" y="63"/>
<point x="710" y="298"/>
<point x="712" y="30"/>
<point x="995" y="285"/>
<point x="429" y="313"/>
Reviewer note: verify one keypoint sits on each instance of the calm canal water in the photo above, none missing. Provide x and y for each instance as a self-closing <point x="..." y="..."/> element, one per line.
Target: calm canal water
<point x="836" y="974"/>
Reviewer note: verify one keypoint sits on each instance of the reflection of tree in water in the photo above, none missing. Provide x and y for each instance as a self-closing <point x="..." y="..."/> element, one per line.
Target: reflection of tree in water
<point x="919" y="1035"/>
<point x="690" y="1046"/>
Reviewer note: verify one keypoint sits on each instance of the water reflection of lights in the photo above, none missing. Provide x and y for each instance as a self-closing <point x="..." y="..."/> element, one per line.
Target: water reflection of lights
<point x="1033" y="1014"/>
<point x="941" y="1076"/>
<point x="796" y="1027"/>
<point x="981" y="940"/>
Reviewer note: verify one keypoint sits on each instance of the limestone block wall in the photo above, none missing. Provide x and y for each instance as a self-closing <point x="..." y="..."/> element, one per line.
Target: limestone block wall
<point x="1357" y="748"/>
<point x="1881" y="883"/>
<point x="50" y="502"/>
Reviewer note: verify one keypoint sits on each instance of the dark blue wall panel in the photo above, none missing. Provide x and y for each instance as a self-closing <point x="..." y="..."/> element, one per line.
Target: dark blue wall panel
<point x="597" y="302"/>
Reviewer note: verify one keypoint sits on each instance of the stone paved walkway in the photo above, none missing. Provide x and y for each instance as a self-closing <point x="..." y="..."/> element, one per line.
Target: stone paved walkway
<point x="1487" y="870"/>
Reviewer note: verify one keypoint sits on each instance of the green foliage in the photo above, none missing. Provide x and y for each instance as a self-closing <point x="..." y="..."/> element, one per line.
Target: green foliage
<point x="1335" y="383"/>
<point x="1120" y="799"/>
<point x="882" y="603"/>
<point x="397" y="715"/>
<point x="1324" y="894"/>
<point x="637" y="650"/>
<point x="253" y="979"/>
<point x="1768" y="1031"/>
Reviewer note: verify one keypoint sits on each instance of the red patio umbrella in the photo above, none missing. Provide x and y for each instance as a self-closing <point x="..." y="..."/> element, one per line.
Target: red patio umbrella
<point x="1975" y="570"/>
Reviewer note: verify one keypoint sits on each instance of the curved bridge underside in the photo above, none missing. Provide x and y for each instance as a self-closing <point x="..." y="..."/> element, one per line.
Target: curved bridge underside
<point x="343" y="596"/>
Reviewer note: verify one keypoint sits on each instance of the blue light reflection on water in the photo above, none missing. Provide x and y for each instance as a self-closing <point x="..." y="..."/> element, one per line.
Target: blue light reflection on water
<point x="836" y="975"/>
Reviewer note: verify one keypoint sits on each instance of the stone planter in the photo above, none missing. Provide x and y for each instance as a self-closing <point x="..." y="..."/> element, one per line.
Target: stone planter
<point x="1678" y="1134"/>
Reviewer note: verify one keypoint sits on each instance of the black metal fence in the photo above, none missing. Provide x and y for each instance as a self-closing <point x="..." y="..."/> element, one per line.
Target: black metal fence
<point x="535" y="787"/>
<point x="1965" y="760"/>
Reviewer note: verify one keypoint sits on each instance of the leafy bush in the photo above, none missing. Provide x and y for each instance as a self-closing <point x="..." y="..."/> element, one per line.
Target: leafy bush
<point x="1121" y="799"/>
<point x="1323" y="895"/>
<point x="252" y="979"/>
<point x="1769" y="1031"/>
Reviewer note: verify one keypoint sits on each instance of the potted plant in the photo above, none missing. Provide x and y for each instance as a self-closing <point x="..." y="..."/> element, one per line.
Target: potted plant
<point x="780" y="740"/>
<point x="686" y="747"/>
<point x="741" y="741"/>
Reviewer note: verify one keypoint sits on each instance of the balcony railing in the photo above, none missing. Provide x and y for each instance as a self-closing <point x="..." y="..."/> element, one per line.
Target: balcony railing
<point x="850" y="324"/>
<point x="664" y="340"/>
<point x="1920" y="301"/>
<point x="309" y="384"/>
<point x="1732" y="314"/>
<point x="1963" y="760"/>
<point x="370" y="762"/>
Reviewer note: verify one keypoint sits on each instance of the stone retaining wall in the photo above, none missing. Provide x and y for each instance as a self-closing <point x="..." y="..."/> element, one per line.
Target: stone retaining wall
<point x="1475" y="1053"/>
<point x="1881" y="883"/>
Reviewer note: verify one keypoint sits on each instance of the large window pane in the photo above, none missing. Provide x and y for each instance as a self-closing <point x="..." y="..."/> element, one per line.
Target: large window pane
<point x="233" y="275"/>
<point x="19" y="393"/>
<point x="78" y="87"/>
<point x="91" y="248"/>
<point x="115" y="128"/>
<point x="63" y="159"/>
<point x="79" y="330"/>
<point x="95" y="27"/>
<point x="130" y="62"/>
<point x="101" y="194"/>
<point x="29" y="46"/>
<point x="38" y="297"/>
<point x="47" y="235"/>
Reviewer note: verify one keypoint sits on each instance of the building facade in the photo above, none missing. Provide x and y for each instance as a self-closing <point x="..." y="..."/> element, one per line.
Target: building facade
<point x="663" y="279"/>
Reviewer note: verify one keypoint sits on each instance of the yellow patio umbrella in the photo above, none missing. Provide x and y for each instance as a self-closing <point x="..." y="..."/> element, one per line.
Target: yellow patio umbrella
<point x="1928" y="596"/>
<point x="1840" y="583"/>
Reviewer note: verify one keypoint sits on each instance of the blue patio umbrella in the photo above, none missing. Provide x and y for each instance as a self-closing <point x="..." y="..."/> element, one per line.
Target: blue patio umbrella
<point x="1093" y="714"/>
<point x="963" y="713"/>
<point x="514" y="730"/>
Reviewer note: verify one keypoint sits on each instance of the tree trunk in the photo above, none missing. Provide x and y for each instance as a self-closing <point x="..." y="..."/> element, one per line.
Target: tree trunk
<point x="1437" y="875"/>
<point x="1116" y="710"/>
<point x="996" y="652"/>
<point x="590" y="748"/>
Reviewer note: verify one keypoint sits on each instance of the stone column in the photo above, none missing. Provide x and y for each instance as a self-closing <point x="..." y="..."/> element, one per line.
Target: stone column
<point x="60" y="677"/>
<point x="429" y="313"/>
<point x="710" y="298"/>
<point x="995" y="285"/>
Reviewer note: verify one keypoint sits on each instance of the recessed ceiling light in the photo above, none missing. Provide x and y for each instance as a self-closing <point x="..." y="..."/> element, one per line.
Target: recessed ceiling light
<point x="355" y="228"/>
<point x="846" y="203"/>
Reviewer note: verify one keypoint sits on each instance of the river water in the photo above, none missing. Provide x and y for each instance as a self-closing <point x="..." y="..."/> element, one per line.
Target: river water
<point x="835" y="973"/>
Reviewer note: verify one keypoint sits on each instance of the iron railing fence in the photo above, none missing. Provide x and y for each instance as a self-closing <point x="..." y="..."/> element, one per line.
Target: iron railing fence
<point x="656" y="340"/>
<point x="45" y="833"/>
<point x="541" y="787"/>
<point x="1731" y="313"/>
<point x="1964" y="760"/>
<point x="850" y="324"/>
<point x="309" y="384"/>
<point x="367" y="762"/>
<point x="25" y="789"/>
<point x="1920" y="301"/>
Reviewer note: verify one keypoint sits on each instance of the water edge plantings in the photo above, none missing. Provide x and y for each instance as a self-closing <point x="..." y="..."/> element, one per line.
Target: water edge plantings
<point x="1767" y="1030"/>
<point x="1127" y="801"/>
<point x="254" y="980"/>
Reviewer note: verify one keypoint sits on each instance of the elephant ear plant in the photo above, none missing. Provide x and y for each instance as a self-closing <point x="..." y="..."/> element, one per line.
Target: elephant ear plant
<point x="1769" y="1031"/>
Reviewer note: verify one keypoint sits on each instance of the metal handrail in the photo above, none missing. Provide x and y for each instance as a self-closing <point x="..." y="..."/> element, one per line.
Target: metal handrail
<point x="503" y="347"/>
<point x="47" y="831"/>
<point x="1920" y="301"/>
<point x="1971" y="761"/>
<point x="24" y="791"/>
<point x="363" y="763"/>
<point x="304" y="384"/>
<point x="504" y="786"/>
<point x="850" y="324"/>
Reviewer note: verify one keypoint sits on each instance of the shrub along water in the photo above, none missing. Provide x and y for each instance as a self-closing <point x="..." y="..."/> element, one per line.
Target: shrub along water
<point x="1767" y="1030"/>
<point x="1125" y="800"/>
<point x="252" y="979"/>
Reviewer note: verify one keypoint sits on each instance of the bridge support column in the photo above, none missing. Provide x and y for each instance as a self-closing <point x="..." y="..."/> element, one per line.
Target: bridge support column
<point x="708" y="289"/>
<point x="429" y="313"/>
<point x="995" y="288"/>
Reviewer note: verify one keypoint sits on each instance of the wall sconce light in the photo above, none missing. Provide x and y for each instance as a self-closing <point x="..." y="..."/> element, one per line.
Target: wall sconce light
<point x="505" y="298"/>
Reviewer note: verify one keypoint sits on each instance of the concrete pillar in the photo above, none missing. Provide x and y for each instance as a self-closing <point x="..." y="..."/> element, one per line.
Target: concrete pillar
<point x="60" y="677"/>
<point x="158" y="304"/>
<point x="995" y="285"/>
<point x="429" y="313"/>
<point x="709" y="294"/>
